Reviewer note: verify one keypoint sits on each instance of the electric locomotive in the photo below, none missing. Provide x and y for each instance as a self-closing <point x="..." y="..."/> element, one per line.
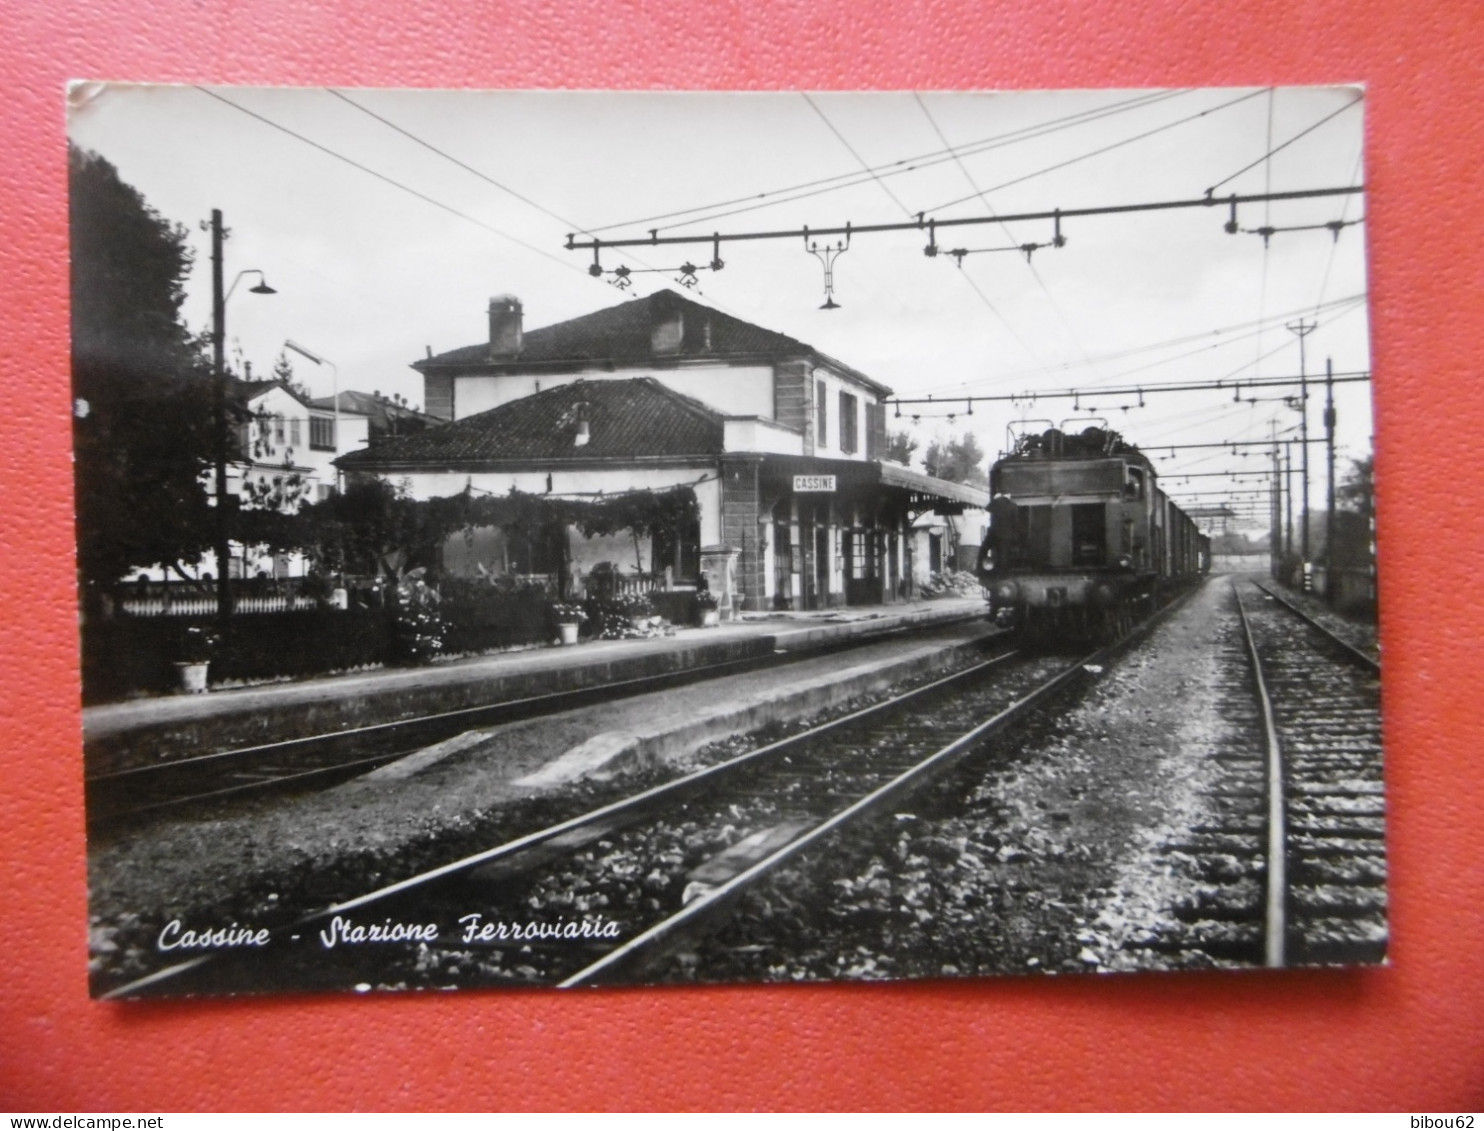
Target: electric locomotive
<point x="1081" y="539"/>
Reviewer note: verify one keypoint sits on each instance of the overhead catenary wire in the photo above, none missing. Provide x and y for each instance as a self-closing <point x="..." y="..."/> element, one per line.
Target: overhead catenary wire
<point x="566" y="264"/>
<point x="456" y="161"/>
<point x="1272" y="149"/>
<point x="1352" y="305"/>
<point x="1153" y="347"/>
<point x="1192" y="353"/>
<point x="1262" y="292"/>
<point x="984" y="199"/>
<point x="1335" y="246"/>
<point x="1084" y="393"/>
<point x="861" y="160"/>
<point x="922" y="223"/>
<point x="424" y="143"/>
<point x="1105" y="149"/>
<point x="824" y="185"/>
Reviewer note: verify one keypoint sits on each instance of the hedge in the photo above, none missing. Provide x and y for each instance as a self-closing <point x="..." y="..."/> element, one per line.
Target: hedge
<point x="125" y="655"/>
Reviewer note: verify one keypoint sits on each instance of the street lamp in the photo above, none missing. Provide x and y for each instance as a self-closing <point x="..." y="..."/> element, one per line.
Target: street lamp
<point x="335" y="399"/>
<point x="219" y="373"/>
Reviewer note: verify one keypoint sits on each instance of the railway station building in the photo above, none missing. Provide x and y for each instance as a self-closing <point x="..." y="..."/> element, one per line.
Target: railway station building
<point x="781" y="444"/>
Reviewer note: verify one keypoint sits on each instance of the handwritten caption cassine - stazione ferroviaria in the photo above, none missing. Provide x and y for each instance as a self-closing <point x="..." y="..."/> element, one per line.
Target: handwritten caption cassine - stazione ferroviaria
<point x="343" y="930"/>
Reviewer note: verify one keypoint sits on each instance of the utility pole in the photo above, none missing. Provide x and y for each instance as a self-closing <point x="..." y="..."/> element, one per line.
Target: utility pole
<point x="1288" y="500"/>
<point x="1303" y="330"/>
<point x="219" y="297"/>
<point x="1274" y="507"/>
<point x="1330" y="585"/>
<point x="219" y="402"/>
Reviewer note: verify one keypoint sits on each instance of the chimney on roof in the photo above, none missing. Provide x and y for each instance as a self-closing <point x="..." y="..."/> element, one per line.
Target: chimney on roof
<point x="505" y="326"/>
<point x="667" y="327"/>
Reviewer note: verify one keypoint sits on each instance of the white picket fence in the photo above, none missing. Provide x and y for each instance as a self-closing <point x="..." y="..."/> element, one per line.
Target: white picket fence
<point x="206" y="606"/>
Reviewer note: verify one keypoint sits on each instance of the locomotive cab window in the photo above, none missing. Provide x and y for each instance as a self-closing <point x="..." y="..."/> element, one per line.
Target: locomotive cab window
<point x="1034" y="536"/>
<point x="1089" y="534"/>
<point x="1133" y="483"/>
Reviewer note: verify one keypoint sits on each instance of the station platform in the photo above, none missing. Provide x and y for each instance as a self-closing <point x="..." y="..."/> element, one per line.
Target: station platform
<point x="147" y="730"/>
<point x="378" y="824"/>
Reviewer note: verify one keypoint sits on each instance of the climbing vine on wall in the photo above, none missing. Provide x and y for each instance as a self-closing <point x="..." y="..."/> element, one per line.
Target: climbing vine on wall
<point x="373" y="524"/>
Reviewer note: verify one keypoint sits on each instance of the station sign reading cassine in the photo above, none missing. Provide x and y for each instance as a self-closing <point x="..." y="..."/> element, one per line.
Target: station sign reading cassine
<point x="813" y="483"/>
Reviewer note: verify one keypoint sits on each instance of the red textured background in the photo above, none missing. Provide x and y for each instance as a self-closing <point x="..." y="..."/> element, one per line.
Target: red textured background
<point x="1409" y="1037"/>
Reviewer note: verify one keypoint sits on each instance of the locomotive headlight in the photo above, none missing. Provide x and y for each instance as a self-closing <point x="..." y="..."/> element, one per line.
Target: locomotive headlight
<point x="1125" y="562"/>
<point x="1006" y="593"/>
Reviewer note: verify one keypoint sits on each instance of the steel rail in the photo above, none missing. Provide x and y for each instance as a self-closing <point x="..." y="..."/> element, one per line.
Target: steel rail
<point x="613" y="815"/>
<point x="510" y="705"/>
<point x="655" y="943"/>
<point x="649" y="945"/>
<point x="1351" y="652"/>
<point x="1275" y="933"/>
<point x="486" y="714"/>
<point x="267" y="783"/>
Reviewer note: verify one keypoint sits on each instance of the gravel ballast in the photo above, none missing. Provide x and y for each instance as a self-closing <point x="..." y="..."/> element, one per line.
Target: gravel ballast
<point x="1052" y="857"/>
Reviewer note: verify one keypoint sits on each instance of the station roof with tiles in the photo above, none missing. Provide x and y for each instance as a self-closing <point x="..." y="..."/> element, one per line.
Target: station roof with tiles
<point x="624" y="335"/>
<point x="623" y="420"/>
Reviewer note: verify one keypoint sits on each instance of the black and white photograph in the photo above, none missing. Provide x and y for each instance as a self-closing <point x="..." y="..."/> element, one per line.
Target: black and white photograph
<point x="575" y="539"/>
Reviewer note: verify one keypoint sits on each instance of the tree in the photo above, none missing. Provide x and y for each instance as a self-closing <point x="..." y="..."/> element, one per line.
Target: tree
<point x="283" y="370"/>
<point x="142" y="425"/>
<point x="1355" y="513"/>
<point x="958" y="461"/>
<point x="900" y="446"/>
<point x="1357" y="492"/>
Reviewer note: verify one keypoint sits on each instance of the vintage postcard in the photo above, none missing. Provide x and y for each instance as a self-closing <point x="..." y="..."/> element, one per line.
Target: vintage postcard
<point x="575" y="539"/>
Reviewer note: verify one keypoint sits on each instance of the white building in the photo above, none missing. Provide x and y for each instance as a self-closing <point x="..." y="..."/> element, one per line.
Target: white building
<point x="287" y="450"/>
<point x="781" y="444"/>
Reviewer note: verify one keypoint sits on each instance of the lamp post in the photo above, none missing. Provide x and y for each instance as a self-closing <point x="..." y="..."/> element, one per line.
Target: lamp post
<point x="334" y="399"/>
<point x="219" y="374"/>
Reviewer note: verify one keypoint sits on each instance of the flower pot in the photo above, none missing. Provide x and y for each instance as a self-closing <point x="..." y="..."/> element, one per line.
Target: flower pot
<point x="191" y="677"/>
<point x="710" y="618"/>
<point x="568" y="632"/>
<point x="639" y="624"/>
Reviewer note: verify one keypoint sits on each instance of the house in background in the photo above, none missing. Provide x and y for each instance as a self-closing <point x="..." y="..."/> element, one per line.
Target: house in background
<point x="287" y="449"/>
<point x="386" y="417"/>
<point x="781" y="443"/>
<point x="284" y="438"/>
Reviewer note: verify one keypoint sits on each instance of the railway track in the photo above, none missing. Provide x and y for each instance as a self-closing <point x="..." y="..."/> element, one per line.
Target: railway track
<point x="1294" y="866"/>
<point x="322" y="760"/>
<point x="636" y="881"/>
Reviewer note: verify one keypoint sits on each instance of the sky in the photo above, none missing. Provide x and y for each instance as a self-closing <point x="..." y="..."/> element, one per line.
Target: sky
<point x="385" y="220"/>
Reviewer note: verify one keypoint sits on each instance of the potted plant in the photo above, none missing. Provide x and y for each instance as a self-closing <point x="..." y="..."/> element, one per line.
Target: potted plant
<point x="569" y="618"/>
<point x="706" y="606"/>
<point x="194" y="658"/>
<point x="638" y="609"/>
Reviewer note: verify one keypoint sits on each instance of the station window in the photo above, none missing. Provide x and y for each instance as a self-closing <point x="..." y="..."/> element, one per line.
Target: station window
<point x="822" y="415"/>
<point x="849" y="425"/>
<point x="322" y="433"/>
